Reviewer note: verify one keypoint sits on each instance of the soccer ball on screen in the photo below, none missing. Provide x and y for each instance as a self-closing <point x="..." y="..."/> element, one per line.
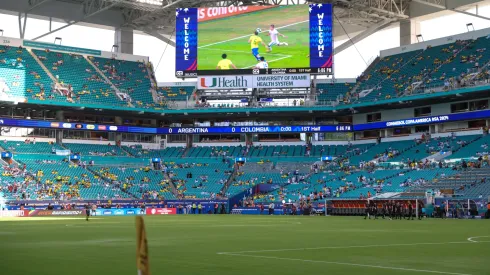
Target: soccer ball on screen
<point x="259" y="30"/>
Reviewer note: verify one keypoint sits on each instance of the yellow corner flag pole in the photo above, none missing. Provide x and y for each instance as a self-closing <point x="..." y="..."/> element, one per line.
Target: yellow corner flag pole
<point x="142" y="261"/>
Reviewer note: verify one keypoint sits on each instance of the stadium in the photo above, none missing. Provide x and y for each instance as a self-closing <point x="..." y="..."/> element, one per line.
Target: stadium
<point x="234" y="137"/>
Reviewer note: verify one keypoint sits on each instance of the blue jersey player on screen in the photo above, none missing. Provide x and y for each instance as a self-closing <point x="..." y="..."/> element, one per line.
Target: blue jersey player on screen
<point x="254" y="41"/>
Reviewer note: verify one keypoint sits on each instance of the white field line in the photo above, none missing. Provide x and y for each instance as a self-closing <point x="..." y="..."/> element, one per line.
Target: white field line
<point x="233" y="51"/>
<point x="269" y="61"/>
<point x="350" y="264"/>
<point x="470" y="239"/>
<point x="240" y="37"/>
<point x="340" y="247"/>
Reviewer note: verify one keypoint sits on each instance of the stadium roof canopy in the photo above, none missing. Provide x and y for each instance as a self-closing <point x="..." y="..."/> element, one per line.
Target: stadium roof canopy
<point x="357" y="18"/>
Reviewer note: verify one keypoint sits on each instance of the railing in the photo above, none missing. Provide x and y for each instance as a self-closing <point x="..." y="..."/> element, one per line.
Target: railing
<point x="174" y="105"/>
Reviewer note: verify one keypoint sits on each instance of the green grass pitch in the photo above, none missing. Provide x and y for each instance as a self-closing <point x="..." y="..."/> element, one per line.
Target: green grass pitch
<point x="218" y="245"/>
<point x="230" y="35"/>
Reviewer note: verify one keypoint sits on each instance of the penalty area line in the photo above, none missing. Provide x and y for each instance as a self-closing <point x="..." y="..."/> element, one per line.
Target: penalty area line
<point x="340" y="247"/>
<point x="269" y="61"/>
<point x="349" y="264"/>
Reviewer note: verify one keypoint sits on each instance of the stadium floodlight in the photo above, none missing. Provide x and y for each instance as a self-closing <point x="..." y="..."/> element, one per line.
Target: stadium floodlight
<point x="470" y="27"/>
<point x="1" y="31"/>
<point x="59" y="39"/>
<point x="420" y="38"/>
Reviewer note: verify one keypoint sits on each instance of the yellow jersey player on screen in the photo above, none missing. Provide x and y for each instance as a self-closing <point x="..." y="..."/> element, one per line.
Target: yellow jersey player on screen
<point x="225" y="63"/>
<point x="254" y="41"/>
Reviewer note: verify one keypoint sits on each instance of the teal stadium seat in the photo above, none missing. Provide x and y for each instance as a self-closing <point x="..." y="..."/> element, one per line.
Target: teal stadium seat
<point x="129" y="77"/>
<point x="74" y="70"/>
<point x="22" y="76"/>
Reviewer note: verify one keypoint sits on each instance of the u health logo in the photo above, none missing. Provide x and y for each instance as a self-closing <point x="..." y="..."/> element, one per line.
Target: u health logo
<point x="225" y="82"/>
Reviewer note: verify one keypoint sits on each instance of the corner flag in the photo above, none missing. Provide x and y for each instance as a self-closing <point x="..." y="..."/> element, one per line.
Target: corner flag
<point x="142" y="262"/>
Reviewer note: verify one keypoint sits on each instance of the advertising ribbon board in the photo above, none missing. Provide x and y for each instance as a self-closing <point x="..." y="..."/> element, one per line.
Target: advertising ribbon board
<point x="161" y="211"/>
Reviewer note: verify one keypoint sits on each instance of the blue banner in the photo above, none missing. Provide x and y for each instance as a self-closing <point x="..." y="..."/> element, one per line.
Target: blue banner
<point x="422" y="120"/>
<point x="321" y="41"/>
<point x="28" y="123"/>
<point x="74" y="157"/>
<point x="185" y="40"/>
<point x="255" y="129"/>
<point x="120" y="212"/>
<point x="7" y="155"/>
<point x="266" y="99"/>
<point x="174" y="130"/>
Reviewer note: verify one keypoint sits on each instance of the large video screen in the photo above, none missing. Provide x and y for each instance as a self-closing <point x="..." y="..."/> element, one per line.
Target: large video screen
<point x="254" y="40"/>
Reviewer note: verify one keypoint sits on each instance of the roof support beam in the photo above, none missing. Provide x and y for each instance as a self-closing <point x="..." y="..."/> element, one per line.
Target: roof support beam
<point x="169" y="41"/>
<point x="91" y="8"/>
<point x="434" y="4"/>
<point x="472" y="14"/>
<point x="400" y="11"/>
<point x="374" y="28"/>
<point x="155" y="13"/>
<point x="35" y="3"/>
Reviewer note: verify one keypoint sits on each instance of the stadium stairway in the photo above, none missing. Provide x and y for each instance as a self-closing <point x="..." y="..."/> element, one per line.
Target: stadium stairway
<point x="63" y="146"/>
<point x="124" y="149"/>
<point x="482" y="69"/>
<point x="186" y="151"/>
<point x="405" y="66"/>
<point x="97" y="174"/>
<point x="368" y="69"/>
<point x="465" y="184"/>
<point x="436" y="69"/>
<point x="42" y="66"/>
<point x="114" y="88"/>
<point x="153" y="81"/>
<point x="2" y="162"/>
<point x="230" y="180"/>
<point x="173" y="188"/>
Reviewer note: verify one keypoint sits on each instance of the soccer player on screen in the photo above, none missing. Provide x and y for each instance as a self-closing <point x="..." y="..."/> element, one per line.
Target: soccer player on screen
<point x="262" y="64"/>
<point x="254" y="41"/>
<point x="274" y="34"/>
<point x="225" y="63"/>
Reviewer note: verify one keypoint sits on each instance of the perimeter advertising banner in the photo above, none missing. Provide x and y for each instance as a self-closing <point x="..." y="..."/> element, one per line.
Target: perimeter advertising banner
<point x="120" y="212"/>
<point x="43" y="213"/>
<point x="254" y="81"/>
<point x="161" y="211"/>
<point x="14" y="213"/>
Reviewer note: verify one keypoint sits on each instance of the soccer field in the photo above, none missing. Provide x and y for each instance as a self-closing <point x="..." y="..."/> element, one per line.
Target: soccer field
<point x="228" y="244"/>
<point x="230" y="35"/>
